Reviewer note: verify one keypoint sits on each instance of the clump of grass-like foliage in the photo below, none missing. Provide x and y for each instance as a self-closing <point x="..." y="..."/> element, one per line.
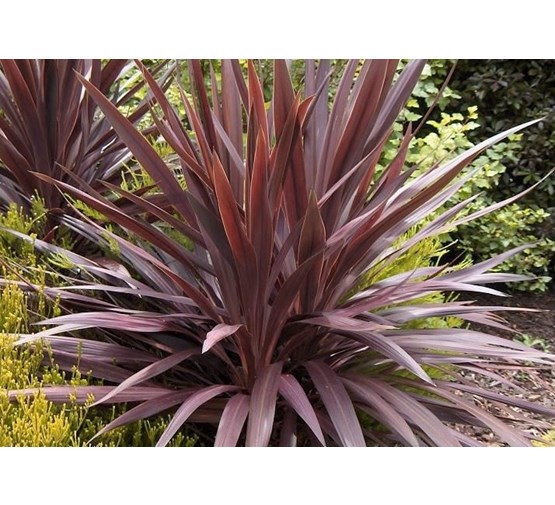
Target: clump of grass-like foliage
<point x="260" y="330"/>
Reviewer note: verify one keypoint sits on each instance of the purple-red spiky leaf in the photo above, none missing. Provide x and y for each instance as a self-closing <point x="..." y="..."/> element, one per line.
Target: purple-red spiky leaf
<point x="263" y="406"/>
<point x="384" y="412"/>
<point x="219" y="332"/>
<point x="139" y="146"/>
<point x="295" y="395"/>
<point x="233" y="419"/>
<point x="311" y="242"/>
<point x="150" y="371"/>
<point x="337" y="403"/>
<point x="191" y="403"/>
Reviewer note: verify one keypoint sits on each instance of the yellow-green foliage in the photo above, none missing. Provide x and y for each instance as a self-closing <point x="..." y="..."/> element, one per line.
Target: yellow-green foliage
<point x="29" y="421"/>
<point x="13" y="314"/>
<point x="422" y="254"/>
<point x="16" y="219"/>
<point x="35" y="421"/>
<point x="548" y="440"/>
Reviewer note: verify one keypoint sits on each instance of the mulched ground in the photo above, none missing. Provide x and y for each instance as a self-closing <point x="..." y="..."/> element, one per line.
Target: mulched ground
<point x="538" y="324"/>
<point x="539" y="385"/>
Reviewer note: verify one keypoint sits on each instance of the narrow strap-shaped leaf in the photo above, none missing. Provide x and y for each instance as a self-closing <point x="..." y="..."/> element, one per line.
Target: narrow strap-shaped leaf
<point x="361" y="115"/>
<point x="83" y="394"/>
<point x="235" y="165"/>
<point x="396" y="99"/>
<point x="191" y="403"/>
<point x="150" y="206"/>
<point x="318" y="85"/>
<point x="150" y="371"/>
<point x="312" y="241"/>
<point x="202" y="97"/>
<point x="288" y="432"/>
<point x="340" y="322"/>
<point x="491" y="395"/>
<point x="231" y="219"/>
<point x="385" y="413"/>
<point x="256" y="102"/>
<point x="263" y="406"/>
<point x="372" y="339"/>
<point x="219" y="332"/>
<point x="283" y="301"/>
<point x="231" y="105"/>
<point x="415" y="413"/>
<point x="140" y="147"/>
<point x="260" y="224"/>
<point x="148" y="407"/>
<point x="334" y="127"/>
<point x="506" y="432"/>
<point x="92" y="349"/>
<point x="232" y="421"/>
<point x="282" y="153"/>
<point x="145" y="230"/>
<point x="337" y="402"/>
<point x="295" y="395"/>
<point x="96" y="368"/>
<point x="241" y="248"/>
<point x="146" y="321"/>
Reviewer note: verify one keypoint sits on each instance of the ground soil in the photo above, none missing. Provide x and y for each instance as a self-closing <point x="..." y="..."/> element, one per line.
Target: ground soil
<point x="533" y="328"/>
<point x="540" y="325"/>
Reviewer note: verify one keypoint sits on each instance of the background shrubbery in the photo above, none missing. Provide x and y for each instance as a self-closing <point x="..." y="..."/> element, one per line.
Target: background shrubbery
<point x="508" y="92"/>
<point x="497" y="94"/>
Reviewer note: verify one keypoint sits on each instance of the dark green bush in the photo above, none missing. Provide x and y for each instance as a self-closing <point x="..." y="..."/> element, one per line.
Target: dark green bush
<point x="508" y="92"/>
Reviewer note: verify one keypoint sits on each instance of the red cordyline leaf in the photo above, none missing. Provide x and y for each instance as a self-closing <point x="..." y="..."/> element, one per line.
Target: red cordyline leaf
<point x="218" y="333"/>
<point x="233" y="419"/>
<point x="148" y="372"/>
<point x="383" y="411"/>
<point x="50" y="126"/>
<point x="284" y="210"/>
<point x="148" y="407"/>
<point x="295" y="395"/>
<point x="191" y="403"/>
<point x="83" y="394"/>
<point x="263" y="405"/>
<point x="337" y="402"/>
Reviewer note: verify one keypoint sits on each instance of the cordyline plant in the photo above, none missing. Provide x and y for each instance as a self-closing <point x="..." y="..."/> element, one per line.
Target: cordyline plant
<point x="50" y="126"/>
<point x="258" y="329"/>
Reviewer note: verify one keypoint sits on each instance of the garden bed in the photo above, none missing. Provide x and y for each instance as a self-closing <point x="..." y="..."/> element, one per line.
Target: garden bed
<point x="533" y="328"/>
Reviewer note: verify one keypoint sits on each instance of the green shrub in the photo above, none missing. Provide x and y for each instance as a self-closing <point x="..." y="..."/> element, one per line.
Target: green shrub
<point x="15" y="218"/>
<point x="514" y="225"/>
<point x="508" y="92"/>
<point x="502" y="173"/>
<point x="425" y="253"/>
<point x="35" y="421"/>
